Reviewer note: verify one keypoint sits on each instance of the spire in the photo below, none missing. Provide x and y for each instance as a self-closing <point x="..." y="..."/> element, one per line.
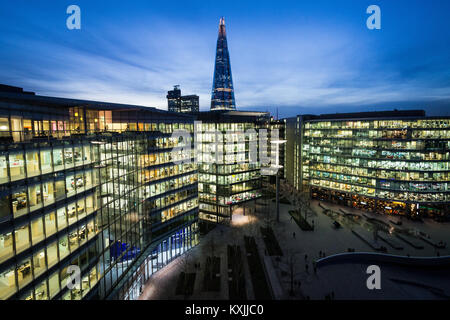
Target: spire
<point x="222" y="31"/>
<point x="222" y="97"/>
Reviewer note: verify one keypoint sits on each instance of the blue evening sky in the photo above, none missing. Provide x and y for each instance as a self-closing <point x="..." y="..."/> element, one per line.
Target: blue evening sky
<point x="298" y="56"/>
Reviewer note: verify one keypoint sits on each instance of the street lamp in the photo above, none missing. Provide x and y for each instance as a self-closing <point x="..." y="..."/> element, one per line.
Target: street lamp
<point x="274" y="169"/>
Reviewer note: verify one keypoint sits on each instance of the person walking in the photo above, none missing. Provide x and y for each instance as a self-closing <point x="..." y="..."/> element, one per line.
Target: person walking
<point x="293" y="235"/>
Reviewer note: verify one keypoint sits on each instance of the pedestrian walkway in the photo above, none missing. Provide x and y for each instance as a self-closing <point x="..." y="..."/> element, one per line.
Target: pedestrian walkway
<point x="162" y="284"/>
<point x="309" y="283"/>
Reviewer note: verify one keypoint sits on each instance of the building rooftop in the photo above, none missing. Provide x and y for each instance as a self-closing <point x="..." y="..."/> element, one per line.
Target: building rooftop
<point x="232" y="116"/>
<point x="15" y="96"/>
<point x="367" y="115"/>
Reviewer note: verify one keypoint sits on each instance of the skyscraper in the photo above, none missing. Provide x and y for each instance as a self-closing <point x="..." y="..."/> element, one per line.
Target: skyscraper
<point x="222" y="97"/>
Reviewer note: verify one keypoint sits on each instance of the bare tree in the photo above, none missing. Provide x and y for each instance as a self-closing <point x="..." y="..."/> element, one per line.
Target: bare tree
<point x="185" y="265"/>
<point x="291" y="265"/>
<point x="237" y="270"/>
<point x="290" y="260"/>
<point x="212" y="245"/>
<point x="376" y="229"/>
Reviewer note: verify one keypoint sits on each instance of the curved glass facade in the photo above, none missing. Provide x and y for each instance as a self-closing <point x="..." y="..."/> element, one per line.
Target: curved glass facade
<point x="92" y="185"/>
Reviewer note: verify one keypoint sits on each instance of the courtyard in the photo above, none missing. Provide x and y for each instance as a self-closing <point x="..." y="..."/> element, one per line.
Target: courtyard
<point x="293" y="274"/>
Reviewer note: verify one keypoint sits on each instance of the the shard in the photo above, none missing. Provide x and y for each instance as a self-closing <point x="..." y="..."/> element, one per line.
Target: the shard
<point x="222" y="97"/>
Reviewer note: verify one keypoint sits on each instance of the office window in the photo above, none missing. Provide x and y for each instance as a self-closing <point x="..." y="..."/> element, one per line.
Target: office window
<point x="6" y="246"/>
<point x="46" y="161"/>
<point x="90" y="229"/>
<point x="62" y="218"/>
<point x="16" y="165"/>
<point x="81" y="208"/>
<point x="53" y="284"/>
<point x="85" y="285"/>
<point x="67" y="296"/>
<point x="4" y="127"/>
<point x="24" y="274"/>
<point x="39" y="263"/>
<point x="72" y="212"/>
<point x="60" y="187"/>
<point x="79" y="181"/>
<point x="82" y="232"/>
<point x="46" y="127"/>
<point x="5" y="205"/>
<point x="22" y="238"/>
<point x="63" y="247"/>
<point x="37" y="230"/>
<point x="48" y="192"/>
<point x="63" y="275"/>
<point x="93" y="276"/>
<point x="68" y="157"/>
<point x="34" y="197"/>
<point x="90" y="204"/>
<point x="32" y="163"/>
<point x="70" y="185"/>
<point x="40" y="292"/>
<point x="7" y="283"/>
<point x="73" y="240"/>
<point x="3" y="168"/>
<point x="27" y="295"/>
<point x="87" y="154"/>
<point x="78" y="155"/>
<point x="58" y="159"/>
<point x="50" y="224"/>
<point x="52" y="254"/>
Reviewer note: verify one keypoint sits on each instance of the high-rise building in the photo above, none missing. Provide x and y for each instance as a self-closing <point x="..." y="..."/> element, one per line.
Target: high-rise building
<point x="174" y="99"/>
<point x="394" y="162"/>
<point x="92" y="185"/>
<point x="228" y="177"/>
<point x="184" y="104"/>
<point x="222" y="97"/>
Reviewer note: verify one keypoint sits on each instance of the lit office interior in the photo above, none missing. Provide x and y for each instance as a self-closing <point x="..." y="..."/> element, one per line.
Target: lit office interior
<point x="227" y="176"/>
<point x="393" y="166"/>
<point x="90" y="186"/>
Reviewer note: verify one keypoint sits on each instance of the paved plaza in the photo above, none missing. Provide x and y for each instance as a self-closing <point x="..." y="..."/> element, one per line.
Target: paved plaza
<point x="301" y="248"/>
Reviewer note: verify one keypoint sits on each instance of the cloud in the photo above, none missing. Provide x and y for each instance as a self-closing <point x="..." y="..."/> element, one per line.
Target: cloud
<point x="307" y="65"/>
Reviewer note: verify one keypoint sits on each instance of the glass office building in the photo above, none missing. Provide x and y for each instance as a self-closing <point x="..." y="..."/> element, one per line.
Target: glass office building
<point x="93" y="185"/>
<point x="394" y="162"/>
<point x="228" y="178"/>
